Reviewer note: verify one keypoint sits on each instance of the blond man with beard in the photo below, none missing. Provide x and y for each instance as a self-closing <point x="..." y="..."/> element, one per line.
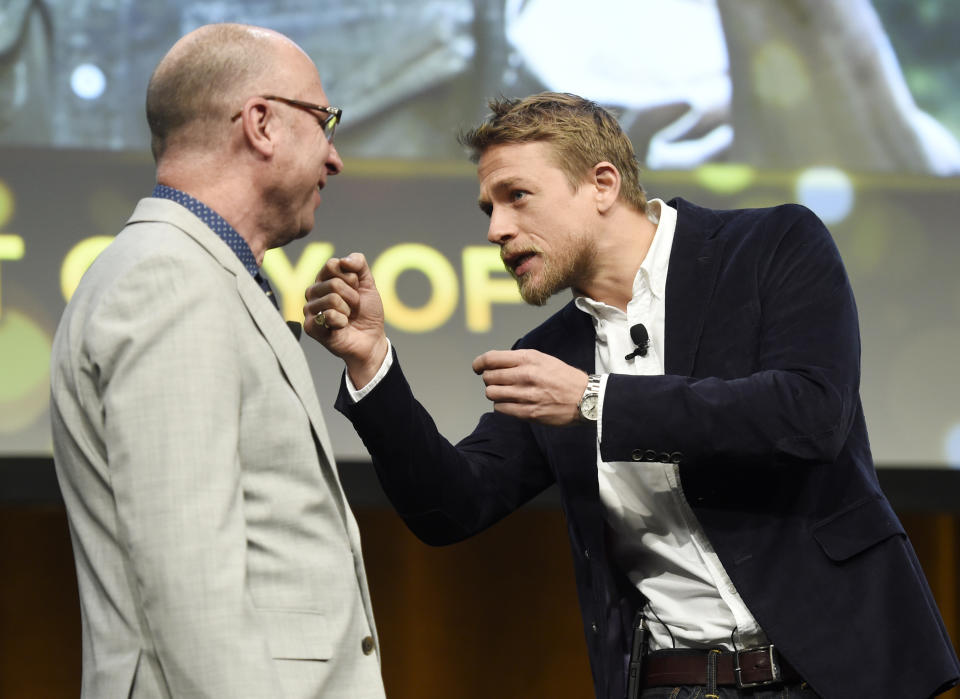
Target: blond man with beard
<point x="697" y="403"/>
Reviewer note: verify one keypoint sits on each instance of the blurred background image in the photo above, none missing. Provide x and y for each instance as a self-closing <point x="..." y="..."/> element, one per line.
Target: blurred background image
<point x="848" y="106"/>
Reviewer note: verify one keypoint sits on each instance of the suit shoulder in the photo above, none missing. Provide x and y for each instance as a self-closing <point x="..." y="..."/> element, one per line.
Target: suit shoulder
<point x="154" y="243"/>
<point x="771" y="220"/>
<point x="145" y="259"/>
<point x="765" y="228"/>
<point x="780" y="216"/>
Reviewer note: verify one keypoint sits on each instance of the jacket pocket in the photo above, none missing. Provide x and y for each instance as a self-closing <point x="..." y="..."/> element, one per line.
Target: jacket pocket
<point x="296" y="634"/>
<point x="857" y="528"/>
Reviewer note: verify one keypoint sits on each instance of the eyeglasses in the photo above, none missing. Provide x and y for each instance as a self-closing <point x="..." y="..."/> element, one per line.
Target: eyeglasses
<point x="328" y="124"/>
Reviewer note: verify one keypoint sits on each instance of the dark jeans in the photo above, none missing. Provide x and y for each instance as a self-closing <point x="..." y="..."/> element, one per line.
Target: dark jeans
<point x="793" y="691"/>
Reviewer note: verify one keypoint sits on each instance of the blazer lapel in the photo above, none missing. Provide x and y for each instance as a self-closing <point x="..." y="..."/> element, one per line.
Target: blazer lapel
<point x="289" y="354"/>
<point x="694" y="266"/>
<point x="271" y="324"/>
<point x="575" y="344"/>
<point x="573" y="341"/>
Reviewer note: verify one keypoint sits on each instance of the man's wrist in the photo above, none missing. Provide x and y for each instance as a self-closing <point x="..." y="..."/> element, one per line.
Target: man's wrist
<point x="363" y="370"/>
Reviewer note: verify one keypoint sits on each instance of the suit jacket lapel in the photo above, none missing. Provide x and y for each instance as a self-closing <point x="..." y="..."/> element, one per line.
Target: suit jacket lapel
<point x="573" y="341"/>
<point x="694" y="265"/>
<point x="576" y="342"/>
<point x="271" y="324"/>
<point x="274" y="329"/>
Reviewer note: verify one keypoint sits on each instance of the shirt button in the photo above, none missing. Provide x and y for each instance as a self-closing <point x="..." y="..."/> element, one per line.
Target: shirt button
<point x="593" y="627"/>
<point x="586" y="554"/>
<point x="366" y="645"/>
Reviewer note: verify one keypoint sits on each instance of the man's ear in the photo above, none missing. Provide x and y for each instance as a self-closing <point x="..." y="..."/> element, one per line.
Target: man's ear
<point x="259" y="125"/>
<point x="606" y="181"/>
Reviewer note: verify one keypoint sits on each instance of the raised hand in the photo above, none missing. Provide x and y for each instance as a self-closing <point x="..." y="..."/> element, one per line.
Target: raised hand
<point x="351" y="325"/>
<point x="532" y="385"/>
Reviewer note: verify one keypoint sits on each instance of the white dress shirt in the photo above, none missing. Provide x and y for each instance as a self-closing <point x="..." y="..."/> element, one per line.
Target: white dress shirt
<point x="656" y="538"/>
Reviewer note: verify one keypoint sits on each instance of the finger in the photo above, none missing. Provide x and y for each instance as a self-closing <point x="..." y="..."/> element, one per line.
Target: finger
<point x="332" y="319"/>
<point x="329" y="270"/>
<point x="353" y="269"/>
<point x="348" y="277"/>
<point x="335" y="286"/>
<point x="315" y="320"/>
<point x="334" y="268"/>
<point x="505" y="394"/>
<point x="330" y="302"/>
<point x="503" y="377"/>
<point x="497" y="359"/>
<point x="355" y="262"/>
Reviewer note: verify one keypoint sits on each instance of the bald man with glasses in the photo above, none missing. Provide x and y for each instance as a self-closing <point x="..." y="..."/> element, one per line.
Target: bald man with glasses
<point x="216" y="555"/>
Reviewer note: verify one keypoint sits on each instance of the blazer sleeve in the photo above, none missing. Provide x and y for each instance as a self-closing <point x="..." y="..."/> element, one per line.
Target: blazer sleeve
<point x="162" y="348"/>
<point x="444" y="492"/>
<point x="800" y="397"/>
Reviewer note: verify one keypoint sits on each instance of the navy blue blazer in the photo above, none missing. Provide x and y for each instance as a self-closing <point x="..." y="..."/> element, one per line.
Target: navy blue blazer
<point x="760" y="407"/>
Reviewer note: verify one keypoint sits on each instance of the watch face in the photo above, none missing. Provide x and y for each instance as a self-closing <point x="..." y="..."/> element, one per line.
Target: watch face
<point x="588" y="406"/>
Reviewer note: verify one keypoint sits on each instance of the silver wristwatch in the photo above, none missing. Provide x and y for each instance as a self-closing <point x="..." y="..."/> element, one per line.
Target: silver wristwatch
<point x="589" y="405"/>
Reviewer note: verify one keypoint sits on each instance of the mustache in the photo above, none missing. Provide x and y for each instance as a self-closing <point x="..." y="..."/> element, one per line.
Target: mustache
<point x="509" y="254"/>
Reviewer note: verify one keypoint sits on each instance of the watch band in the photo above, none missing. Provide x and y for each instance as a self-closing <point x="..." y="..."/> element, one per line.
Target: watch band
<point x="589" y="405"/>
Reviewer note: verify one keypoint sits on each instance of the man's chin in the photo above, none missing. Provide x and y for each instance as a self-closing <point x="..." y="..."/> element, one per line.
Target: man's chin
<point x="533" y="295"/>
<point x="306" y="226"/>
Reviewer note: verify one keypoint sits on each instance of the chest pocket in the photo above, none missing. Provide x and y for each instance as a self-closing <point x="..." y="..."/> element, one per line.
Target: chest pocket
<point x="857" y="528"/>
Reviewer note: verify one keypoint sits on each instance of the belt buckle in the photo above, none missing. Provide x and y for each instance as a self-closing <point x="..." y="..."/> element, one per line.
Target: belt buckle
<point x="775" y="674"/>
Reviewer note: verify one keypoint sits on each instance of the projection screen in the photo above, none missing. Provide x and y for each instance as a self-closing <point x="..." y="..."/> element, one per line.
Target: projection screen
<point x="849" y="107"/>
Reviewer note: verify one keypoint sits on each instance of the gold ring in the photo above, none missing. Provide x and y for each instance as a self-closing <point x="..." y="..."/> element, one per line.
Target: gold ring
<point x="320" y="319"/>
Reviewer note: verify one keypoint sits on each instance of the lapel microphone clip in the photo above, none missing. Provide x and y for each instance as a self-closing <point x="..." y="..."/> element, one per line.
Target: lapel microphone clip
<point x="641" y="339"/>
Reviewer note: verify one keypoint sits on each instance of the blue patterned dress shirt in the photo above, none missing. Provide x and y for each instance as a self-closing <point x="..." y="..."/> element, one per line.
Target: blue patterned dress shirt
<point x="224" y="230"/>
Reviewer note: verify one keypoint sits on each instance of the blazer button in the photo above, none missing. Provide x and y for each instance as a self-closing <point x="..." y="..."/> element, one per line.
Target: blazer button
<point x="649" y="455"/>
<point x="586" y="554"/>
<point x="366" y="645"/>
<point x="637" y="455"/>
<point x="676" y="457"/>
<point x="663" y="457"/>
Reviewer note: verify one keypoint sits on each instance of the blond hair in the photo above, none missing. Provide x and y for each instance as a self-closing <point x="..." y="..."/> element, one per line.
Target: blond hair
<point x="581" y="133"/>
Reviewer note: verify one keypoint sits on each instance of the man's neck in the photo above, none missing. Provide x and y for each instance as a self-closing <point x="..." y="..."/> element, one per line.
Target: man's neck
<point x="621" y="249"/>
<point x="227" y="196"/>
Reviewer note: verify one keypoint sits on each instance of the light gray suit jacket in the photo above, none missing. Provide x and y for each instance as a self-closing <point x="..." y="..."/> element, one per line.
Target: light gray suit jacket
<point x="216" y="555"/>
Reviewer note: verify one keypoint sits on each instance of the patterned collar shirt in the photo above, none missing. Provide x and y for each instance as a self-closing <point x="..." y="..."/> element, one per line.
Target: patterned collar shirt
<point x="216" y="223"/>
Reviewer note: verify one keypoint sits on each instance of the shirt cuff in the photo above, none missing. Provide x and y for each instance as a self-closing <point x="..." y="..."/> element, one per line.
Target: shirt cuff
<point x="358" y="394"/>
<point x="600" y="394"/>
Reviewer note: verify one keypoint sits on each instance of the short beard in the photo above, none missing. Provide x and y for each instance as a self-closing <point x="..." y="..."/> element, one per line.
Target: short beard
<point x="566" y="270"/>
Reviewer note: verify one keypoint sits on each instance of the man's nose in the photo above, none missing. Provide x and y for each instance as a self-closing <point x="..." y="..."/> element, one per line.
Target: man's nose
<point x="501" y="228"/>
<point x="334" y="163"/>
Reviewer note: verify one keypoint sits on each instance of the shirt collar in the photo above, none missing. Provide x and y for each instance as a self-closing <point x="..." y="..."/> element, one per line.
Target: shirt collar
<point x="657" y="261"/>
<point x="214" y="222"/>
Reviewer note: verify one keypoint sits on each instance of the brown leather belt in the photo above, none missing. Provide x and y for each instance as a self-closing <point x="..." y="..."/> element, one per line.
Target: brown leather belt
<point x="754" y="667"/>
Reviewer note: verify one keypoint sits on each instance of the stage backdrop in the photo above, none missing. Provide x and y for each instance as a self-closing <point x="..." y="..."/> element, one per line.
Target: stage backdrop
<point x="850" y="107"/>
